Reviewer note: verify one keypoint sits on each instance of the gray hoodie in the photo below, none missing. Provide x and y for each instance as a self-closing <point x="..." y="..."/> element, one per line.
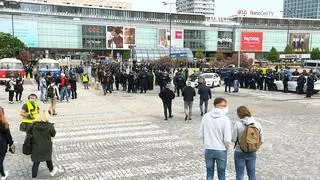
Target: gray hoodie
<point x="239" y="127"/>
<point x="215" y="130"/>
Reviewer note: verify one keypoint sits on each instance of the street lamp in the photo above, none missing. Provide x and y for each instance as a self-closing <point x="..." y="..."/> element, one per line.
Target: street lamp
<point x="239" y="52"/>
<point x="170" y="21"/>
<point x="291" y="16"/>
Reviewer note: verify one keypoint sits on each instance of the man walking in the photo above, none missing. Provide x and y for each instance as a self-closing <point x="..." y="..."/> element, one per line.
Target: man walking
<point x="215" y="131"/>
<point x="188" y="93"/>
<point x="167" y="95"/>
<point x="205" y="95"/>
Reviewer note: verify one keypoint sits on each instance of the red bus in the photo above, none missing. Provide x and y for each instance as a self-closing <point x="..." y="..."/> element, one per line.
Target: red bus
<point x="10" y="67"/>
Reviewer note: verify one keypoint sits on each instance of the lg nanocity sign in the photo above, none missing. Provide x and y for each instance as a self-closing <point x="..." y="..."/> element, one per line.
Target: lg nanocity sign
<point x="244" y="12"/>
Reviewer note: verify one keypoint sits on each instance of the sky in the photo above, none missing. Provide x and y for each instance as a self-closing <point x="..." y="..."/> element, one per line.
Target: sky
<point x="224" y="8"/>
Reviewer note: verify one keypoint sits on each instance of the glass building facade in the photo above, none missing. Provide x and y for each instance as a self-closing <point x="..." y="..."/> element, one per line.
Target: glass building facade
<point x="301" y="9"/>
<point x="66" y="30"/>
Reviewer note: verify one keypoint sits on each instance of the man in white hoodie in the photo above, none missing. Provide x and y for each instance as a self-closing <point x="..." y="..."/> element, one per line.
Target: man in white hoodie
<point x="215" y="131"/>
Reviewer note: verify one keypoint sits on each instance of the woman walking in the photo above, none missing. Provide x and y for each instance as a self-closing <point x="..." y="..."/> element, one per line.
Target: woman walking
<point x="5" y="140"/>
<point x="19" y="88"/>
<point x="246" y="157"/>
<point x="42" y="131"/>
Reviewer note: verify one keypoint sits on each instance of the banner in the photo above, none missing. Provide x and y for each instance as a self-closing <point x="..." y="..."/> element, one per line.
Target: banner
<point x="300" y="41"/>
<point x="93" y="37"/>
<point x="24" y="30"/>
<point x="129" y="37"/>
<point x="115" y="37"/>
<point x="177" y="38"/>
<point x="251" y="41"/>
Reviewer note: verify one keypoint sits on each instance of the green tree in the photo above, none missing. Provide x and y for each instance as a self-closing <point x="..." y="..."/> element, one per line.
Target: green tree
<point x="289" y="49"/>
<point x="217" y="56"/>
<point x="126" y="55"/>
<point x="273" y="55"/>
<point x="9" y="46"/>
<point x="315" y="53"/>
<point x="200" y="54"/>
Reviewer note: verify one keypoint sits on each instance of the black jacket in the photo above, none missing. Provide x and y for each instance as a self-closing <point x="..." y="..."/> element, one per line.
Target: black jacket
<point x="167" y="95"/>
<point x="5" y="140"/>
<point x="205" y="92"/>
<point x="188" y="93"/>
<point x="41" y="141"/>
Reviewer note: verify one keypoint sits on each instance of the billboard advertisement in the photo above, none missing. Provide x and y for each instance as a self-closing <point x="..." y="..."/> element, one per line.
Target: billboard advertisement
<point x="129" y="37"/>
<point x="300" y="41"/>
<point x="115" y="37"/>
<point x="225" y="40"/>
<point x="25" y="30"/>
<point x="93" y="37"/>
<point x="251" y="41"/>
<point x="177" y="38"/>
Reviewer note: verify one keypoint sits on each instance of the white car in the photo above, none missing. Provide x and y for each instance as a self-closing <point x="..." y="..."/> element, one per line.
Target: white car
<point x="211" y="79"/>
<point x="292" y="85"/>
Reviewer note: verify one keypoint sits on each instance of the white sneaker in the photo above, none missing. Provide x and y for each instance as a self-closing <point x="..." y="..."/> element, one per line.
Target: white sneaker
<point x="54" y="171"/>
<point x="5" y="177"/>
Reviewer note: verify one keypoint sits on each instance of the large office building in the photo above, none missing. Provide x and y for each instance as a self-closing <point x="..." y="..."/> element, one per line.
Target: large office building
<point x="205" y="7"/>
<point x="301" y="9"/>
<point x="58" y="30"/>
<point x="115" y="4"/>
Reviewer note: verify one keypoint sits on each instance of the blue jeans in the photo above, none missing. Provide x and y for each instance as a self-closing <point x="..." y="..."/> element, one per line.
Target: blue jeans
<point x="63" y="93"/>
<point x="236" y="86"/>
<point x="242" y="159"/>
<point x="205" y="106"/>
<point x="212" y="156"/>
<point x="43" y="93"/>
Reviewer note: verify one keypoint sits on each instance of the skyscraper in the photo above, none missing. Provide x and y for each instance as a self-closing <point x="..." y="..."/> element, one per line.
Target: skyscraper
<point x="196" y="6"/>
<point x="301" y="9"/>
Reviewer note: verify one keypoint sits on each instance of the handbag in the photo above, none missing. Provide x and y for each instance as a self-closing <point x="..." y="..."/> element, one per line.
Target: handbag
<point x="27" y="145"/>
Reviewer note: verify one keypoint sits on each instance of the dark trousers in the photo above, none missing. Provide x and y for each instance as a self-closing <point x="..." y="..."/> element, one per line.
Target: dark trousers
<point x="130" y="88"/>
<point x="227" y="87"/>
<point x="124" y="86"/>
<point x="285" y="87"/>
<point x="117" y="85"/>
<point x="11" y="95"/>
<point x="1" y="164"/>
<point x="309" y="92"/>
<point x="166" y="108"/>
<point x="18" y="95"/>
<point x="74" y="91"/>
<point x="178" y="90"/>
<point x="35" y="168"/>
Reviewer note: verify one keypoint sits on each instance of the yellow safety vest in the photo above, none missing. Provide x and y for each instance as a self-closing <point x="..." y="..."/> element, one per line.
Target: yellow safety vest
<point x="85" y="78"/>
<point x="33" y="110"/>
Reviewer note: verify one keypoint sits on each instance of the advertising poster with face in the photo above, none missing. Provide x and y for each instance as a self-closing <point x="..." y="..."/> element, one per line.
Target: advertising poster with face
<point x="164" y="38"/>
<point x="300" y="41"/>
<point x="115" y="37"/>
<point x="129" y="37"/>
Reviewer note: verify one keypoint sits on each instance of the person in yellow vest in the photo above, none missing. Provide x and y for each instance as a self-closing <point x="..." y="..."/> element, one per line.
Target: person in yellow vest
<point x="29" y="112"/>
<point x="85" y="81"/>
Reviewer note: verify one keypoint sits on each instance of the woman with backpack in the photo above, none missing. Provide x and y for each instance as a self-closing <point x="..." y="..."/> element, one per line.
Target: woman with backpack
<point x="5" y="140"/>
<point x="52" y="95"/>
<point x="247" y="128"/>
<point x="42" y="131"/>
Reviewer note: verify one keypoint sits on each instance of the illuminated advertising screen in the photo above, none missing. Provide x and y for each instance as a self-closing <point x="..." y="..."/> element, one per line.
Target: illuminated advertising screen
<point x="300" y="41"/>
<point x="251" y="41"/>
<point x="93" y="37"/>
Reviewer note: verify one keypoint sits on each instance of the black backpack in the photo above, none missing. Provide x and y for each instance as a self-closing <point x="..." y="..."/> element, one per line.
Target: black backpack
<point x="8" y="86"/>
<point x="50" y="92"/>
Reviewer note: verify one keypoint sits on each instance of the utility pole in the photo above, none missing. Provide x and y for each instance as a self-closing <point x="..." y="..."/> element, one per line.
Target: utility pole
<point x="170" y="25"/>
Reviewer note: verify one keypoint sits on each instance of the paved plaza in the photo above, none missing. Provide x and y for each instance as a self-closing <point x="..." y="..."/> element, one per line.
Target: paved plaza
<point x="124" y="136"/>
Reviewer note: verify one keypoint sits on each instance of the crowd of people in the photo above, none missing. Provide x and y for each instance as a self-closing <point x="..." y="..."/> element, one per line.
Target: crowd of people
<point x="256" y="79"/>
<point x="215" y="131"/>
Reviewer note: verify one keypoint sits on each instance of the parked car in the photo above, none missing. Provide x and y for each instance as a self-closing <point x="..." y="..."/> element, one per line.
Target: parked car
<point x="211" y="79"/>
<point x="292" y="85"/>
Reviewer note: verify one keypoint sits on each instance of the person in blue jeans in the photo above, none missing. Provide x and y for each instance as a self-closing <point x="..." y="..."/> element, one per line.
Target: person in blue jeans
<point x="205" y="95"/>
<point x="244" y="159"/>
<point x="215" y="132"/>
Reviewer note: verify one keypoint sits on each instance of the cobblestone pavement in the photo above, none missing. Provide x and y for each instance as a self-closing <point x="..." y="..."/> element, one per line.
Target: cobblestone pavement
<point x="123" y="136"/>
